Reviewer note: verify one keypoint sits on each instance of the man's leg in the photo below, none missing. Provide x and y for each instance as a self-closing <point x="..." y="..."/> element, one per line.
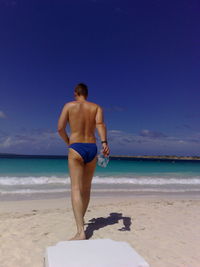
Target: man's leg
<point x="87" y="180"/>
<point x="76" y="170"/>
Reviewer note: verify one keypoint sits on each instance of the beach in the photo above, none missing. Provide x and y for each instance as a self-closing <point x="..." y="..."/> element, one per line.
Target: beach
<point x="151" y="204"/>
<point x="163" y="229"/>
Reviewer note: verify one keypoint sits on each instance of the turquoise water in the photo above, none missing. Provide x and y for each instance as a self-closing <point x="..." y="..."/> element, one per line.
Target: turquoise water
<point x="32" y="175"/>
<point x="37" y="167"/>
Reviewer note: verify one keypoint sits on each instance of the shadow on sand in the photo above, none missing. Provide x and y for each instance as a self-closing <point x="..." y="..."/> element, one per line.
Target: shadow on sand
<point x="97" y="223"/>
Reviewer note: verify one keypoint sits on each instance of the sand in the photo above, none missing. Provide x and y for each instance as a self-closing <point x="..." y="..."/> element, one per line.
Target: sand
<point x="164" y="231"/>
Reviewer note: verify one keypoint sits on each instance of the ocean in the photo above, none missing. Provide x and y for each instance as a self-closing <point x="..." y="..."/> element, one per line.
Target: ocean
<point x="44" y="177"/>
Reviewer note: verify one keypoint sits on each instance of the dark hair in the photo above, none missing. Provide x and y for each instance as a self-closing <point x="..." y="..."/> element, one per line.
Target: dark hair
<point x="81" y="89"/>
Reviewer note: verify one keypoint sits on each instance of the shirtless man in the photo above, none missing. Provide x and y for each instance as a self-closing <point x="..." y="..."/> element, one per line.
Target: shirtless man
<point x="83" y="117"/>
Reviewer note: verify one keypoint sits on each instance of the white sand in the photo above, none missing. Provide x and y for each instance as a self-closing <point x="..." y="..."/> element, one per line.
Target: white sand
<point x="165" y="231"/>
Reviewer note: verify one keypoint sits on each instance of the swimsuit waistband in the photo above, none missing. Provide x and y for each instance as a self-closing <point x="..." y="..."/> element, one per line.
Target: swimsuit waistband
<point x="82" y="143"/>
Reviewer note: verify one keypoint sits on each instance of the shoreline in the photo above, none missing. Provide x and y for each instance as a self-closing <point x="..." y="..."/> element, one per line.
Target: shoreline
<point x="101" y="195"/>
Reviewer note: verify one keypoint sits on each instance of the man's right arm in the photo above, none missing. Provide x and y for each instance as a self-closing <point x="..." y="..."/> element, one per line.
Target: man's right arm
<point x="101" y="128"/>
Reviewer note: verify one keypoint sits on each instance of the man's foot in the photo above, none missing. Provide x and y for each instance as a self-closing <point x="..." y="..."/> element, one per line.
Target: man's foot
<point x="78" y="236"/>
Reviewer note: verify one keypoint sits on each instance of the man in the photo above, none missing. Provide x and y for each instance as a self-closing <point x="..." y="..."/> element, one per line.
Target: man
<point x="83" y="117"/>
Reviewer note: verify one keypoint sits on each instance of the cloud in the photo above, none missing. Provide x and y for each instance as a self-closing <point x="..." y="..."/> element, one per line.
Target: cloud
<point x="130" y="137"/>
<point x="126" y="139"/>
<point x="115" y="131"/>
<point x="2" y="114"/>
<point x="121" y="137"/>
<point x="34" y="138"/>
<point x="184" y="126"/>
<point x="152" y="134"/>
<point x="10" y="141"/>
<point x="47" y="141"/>
<point x="193" y="140"/>
<point x="150" y="142"/>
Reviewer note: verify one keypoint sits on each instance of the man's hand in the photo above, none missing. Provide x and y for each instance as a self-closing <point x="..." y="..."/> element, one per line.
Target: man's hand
<point x="105" y="149"/>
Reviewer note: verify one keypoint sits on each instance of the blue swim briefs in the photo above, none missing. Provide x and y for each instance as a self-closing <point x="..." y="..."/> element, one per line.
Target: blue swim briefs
<point x="87" y="150"/>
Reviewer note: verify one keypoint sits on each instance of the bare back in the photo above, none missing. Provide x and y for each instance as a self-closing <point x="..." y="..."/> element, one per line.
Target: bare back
<point x="82" y="123"/>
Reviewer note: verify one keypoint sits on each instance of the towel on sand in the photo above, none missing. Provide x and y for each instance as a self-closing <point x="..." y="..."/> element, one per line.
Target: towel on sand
<point x="93" y="253"/>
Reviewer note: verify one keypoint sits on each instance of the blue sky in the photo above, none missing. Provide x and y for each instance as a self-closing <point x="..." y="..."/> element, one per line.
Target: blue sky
<point x="140" y="60"/>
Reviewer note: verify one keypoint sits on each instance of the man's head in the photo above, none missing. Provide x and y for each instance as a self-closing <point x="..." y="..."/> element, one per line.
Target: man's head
<point x="81" y="89"/>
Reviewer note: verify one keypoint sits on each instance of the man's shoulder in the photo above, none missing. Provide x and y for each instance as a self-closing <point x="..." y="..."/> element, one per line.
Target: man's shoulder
<point x="68" y="104"/>
<point x="72" y="103"/>
<point x="93" y="104"/>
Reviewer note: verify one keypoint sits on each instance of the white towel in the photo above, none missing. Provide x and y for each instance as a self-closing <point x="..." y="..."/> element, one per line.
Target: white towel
<point x="93" y="253"/>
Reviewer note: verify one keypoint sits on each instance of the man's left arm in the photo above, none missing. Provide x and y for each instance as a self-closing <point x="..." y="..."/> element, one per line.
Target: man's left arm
<point x="62" y="122"/>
